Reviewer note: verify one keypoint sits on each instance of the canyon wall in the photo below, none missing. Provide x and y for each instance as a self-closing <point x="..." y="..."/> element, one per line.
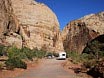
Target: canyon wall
<point x="30" y="24"/>
<point x="79" y="32"/>
<point x="27" y="23"/>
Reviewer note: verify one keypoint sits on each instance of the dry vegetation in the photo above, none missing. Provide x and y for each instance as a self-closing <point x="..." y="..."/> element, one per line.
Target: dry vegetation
<point x="14" y="60"/>
<point x="91" y="60"/>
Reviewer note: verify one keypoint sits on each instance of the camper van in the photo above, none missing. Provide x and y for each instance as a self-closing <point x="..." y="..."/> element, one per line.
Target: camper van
<point x="62" y="55"/>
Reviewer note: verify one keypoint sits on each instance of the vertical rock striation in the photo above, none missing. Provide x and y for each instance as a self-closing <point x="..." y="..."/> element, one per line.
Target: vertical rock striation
<point x="30" y="24"/>
<point x="8" y="24"/>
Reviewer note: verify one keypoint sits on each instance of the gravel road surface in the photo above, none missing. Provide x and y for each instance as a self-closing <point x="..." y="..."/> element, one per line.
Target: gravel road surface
<point x="49" y="68"/>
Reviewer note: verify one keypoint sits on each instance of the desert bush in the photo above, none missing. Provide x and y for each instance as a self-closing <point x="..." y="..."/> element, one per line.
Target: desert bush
<point x="95" y="62"/>
<point x="71" y="54"/>
<point x="95" y="48"/>
<point x="1" y="49"/>
<point x="40" y="53"/>
<point x="90" y="64"/>
<point x="28" y="53"/>
<point x="15" y="56"/>
<point x="35" y="53"/>
<point x="75" y="56"/>
<point x="78" y="58"/>
<point x="85" y="57"/>
<point x="25" y="53"/>
<point x="13" y="52"/>
<point x="1" y="66"/>
<point x="15" y="62"/>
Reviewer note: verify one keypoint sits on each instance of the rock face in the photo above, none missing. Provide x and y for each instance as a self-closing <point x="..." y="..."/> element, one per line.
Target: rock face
<point x="5" y="10"/>
<point x="29" y="24"/>
<point x="7" y="22"/>
<point x="32" y="24"/>
<point x="79" y="32"/>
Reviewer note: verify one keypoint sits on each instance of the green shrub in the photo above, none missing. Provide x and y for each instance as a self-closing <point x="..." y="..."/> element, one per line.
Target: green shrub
<point x="76" y="58"/>
<point x="40" y="53"/>
<point x="1" y="49"/>
<point x="90" y="63"/>
<point x="95" y="48"/>
<point x="27" y="52"/>
<point x="12" y="63"/>
<point x="85" y="57"/>
<point x="1" y="66"/>
<point x="20" y="53"/>
<point x="16" y="55"/>
<point x="93" y="55"/>
<point x="35" y="53"/>
<point x="72" y="54"/>
<point x="13" y="52"/>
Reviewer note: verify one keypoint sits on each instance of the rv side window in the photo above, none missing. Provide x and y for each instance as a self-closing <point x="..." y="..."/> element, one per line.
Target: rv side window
<point x="63" y="54"/>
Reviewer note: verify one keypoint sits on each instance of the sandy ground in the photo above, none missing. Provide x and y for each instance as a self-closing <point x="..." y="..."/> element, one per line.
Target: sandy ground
<point x="17" y="71"/>
<point x="47" y="68"/>
<point x="70" y="67"/>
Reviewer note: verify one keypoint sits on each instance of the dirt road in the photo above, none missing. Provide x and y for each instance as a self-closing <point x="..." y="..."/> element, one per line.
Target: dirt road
<point x="50" y="68"/>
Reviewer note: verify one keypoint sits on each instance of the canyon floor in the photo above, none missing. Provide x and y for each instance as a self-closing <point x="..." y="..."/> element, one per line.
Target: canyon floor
<point x="48" y="68"/>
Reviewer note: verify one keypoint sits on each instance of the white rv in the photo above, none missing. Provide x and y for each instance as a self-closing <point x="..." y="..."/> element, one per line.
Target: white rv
<point x="62" y="55"/>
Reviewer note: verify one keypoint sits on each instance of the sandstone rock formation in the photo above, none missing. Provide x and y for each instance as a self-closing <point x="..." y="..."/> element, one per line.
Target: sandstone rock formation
<point x="7" y="22"/>
<point x="32" y="24"/>
<point x="29" y="24"/>
<point x="5" y="10"/>
<point x="79" y="32"/>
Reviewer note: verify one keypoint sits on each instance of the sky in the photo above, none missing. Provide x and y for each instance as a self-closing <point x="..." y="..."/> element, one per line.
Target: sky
<point x="68" y="10"/>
